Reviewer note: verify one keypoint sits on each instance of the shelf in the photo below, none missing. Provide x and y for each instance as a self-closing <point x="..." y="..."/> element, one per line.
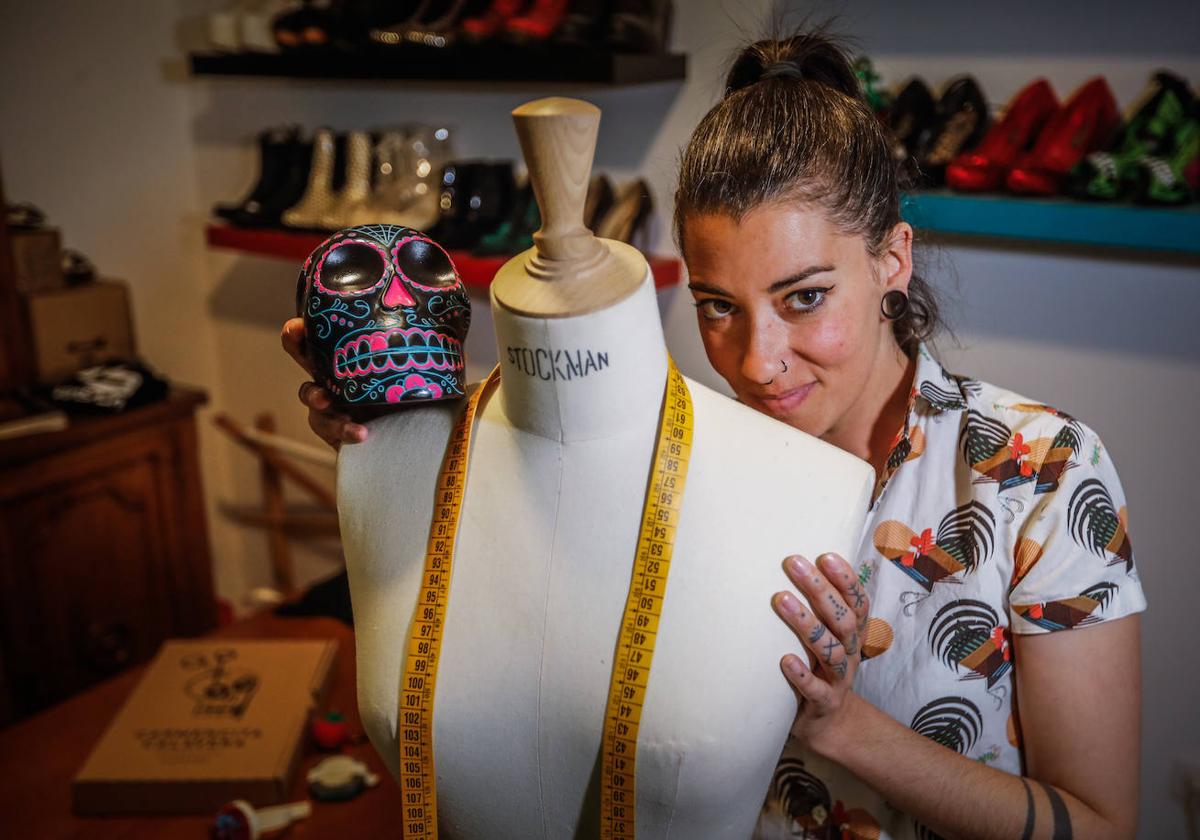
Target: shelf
<point x="1056" y="220"/>
<point x="476" y="272"/>
<point x="483" y="63"/>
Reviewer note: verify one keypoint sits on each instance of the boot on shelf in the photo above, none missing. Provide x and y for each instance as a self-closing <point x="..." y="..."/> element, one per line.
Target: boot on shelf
<point x="628" y="219"/>
<point x="515" y="233"/>
<point x="407" y="164"/>
<point x="640" y="26"/>
<point x="356" y="191"/>
<point x="325" y="177"/>
<point x="285" y="158"/>
<point x="273" y="146"/>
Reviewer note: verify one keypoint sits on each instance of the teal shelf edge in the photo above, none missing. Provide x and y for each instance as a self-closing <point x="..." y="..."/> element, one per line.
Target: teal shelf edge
<point x="1061" y="221"/>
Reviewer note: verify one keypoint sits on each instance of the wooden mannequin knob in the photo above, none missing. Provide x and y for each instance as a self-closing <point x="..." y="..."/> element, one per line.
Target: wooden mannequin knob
<point x="568" y="271"/>
<point x="558" y="138"/>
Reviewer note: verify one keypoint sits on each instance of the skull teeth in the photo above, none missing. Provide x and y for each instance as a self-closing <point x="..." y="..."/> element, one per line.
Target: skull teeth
<point x="397" y="349"/>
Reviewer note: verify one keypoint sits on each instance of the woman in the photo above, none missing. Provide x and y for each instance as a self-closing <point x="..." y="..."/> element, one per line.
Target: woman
<point x="995" y="519"/>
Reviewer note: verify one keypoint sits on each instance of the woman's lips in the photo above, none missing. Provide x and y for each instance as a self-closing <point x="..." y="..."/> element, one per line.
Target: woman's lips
<point x="783" y="404"/>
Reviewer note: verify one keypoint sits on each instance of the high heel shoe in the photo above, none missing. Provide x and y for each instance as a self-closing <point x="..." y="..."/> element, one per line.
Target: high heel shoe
<point x="599" y="201"/>
<point x="491" y="23"/>
<point x="984" y="167"/>
<point x="911" y="117"/>
<point x="538" y="23"/>
<point x="583" y="24"/>
<point x="629" y="214"/>
<point x="962" y="121"/>
<point x="640" y="26"/>
<point x="1086" y="122"/>
<point x="1173" y="177"/>
<point x="1149" y="132"/>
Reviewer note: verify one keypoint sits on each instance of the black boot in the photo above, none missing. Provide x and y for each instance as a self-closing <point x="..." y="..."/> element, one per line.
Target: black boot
<point x="274" y="146"/>
<point x="640" y="26"/>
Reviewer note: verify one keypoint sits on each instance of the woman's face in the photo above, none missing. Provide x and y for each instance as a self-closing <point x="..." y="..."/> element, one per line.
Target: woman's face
<point x="783" y="287"/>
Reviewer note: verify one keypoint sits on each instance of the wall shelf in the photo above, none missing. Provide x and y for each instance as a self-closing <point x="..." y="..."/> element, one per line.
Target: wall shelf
<point x="476" y="272"/>
<point x="1056" y="220"/>
<point x="482" y="63"/>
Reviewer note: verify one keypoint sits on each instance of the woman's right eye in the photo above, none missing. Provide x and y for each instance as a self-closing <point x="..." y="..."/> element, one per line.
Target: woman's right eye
<point x="714" y="308"/>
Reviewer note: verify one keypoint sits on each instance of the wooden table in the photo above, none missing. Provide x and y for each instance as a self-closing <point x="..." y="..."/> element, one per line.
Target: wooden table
<point x="40" y="755"/>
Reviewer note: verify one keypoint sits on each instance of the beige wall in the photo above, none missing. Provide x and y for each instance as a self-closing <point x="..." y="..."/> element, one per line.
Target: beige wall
<point x="100" y="126"/>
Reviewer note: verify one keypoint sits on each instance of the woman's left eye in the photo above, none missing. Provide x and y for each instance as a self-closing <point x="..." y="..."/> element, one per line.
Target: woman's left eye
<point x="806" y="300"/>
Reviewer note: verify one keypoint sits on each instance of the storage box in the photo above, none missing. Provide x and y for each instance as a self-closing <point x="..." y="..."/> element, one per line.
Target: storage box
<point x="80" y="326"/>
<point x="37" y="257"/>
<point x="210" y="721"/>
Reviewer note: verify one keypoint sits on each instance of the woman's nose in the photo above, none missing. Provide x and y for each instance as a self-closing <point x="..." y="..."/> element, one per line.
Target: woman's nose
<point x="766" y="347"/>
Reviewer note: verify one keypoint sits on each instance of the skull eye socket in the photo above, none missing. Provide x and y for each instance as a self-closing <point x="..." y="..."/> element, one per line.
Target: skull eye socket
<point x="352" y="268"/>
<point x="425" y="264"/>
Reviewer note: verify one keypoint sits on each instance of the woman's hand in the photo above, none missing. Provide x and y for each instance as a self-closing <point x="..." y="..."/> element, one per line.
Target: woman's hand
<point x="833" y="635"/>
<point x="331" y="426"/>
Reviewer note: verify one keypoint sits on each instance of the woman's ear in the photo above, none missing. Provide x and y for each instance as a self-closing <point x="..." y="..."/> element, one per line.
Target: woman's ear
<point x="895" y="262"/>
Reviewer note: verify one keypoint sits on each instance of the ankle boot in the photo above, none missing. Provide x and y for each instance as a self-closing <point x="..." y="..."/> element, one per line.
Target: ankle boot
<point x="407" y="164"/>
<point x="324" y="180"/>
<point x="289" y="188"/>
<point x="274" y="145"/>
<point x="356" y="191"/>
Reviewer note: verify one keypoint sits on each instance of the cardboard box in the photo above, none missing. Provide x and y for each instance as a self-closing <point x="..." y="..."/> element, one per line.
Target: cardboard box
<point x="80" y="326"/>
<point x="37" y="258"/>
<point x="210" y="721"/>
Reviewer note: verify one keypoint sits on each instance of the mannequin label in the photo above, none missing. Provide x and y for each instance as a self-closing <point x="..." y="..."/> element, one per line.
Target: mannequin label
<point x="635" y="646"/>
<point x="562" y="365"/>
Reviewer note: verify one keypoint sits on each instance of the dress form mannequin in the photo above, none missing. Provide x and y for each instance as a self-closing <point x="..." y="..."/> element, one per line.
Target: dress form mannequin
<point x="546" y="543"/>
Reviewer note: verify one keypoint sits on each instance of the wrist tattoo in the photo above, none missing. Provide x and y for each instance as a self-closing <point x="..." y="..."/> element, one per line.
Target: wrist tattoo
<point x="1061" y="828"/>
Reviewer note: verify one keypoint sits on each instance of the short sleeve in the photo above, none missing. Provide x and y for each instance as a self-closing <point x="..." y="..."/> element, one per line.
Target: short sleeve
<point x="1073" y="554"/>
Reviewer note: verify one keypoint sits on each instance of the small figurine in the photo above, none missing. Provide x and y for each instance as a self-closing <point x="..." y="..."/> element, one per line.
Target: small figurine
<point x="238" y="820"/>
<point x="339" y="777"/>
<point x="385" y="316"/>
<point x="330" y="730"/>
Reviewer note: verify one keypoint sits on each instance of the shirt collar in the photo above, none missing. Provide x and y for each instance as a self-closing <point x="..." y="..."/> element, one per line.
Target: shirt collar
<point x="937" y="389"/>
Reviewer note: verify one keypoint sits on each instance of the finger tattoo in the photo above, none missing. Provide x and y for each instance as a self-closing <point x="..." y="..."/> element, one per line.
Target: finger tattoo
<point x="839" y="609"/>
<point x="857" y="593"/>
<point x="816" y="633"/>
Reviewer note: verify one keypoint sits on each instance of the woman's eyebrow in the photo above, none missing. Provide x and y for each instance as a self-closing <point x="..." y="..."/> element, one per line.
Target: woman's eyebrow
<point x="798" y="277"/>
<point x="710" y="290"/>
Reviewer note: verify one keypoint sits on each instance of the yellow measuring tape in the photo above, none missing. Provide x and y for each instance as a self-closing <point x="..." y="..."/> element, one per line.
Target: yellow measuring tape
<point x="635" y="646"/>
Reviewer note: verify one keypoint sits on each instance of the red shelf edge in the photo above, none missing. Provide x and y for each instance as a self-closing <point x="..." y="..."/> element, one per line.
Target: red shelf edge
<point x="476" y="272"/>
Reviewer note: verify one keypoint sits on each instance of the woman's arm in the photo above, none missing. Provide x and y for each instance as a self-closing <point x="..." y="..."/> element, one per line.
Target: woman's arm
<point x="1079" y="696"/>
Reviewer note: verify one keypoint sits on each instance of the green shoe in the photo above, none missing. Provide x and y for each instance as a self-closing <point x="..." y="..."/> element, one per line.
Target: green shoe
<point x="1163" y="180"/>
<point x="878" y="99"/>
<point x="1110" y="175"/>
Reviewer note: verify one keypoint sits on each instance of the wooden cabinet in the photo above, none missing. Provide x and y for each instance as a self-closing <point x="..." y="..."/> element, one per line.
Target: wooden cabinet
<point x="103" y="550"/>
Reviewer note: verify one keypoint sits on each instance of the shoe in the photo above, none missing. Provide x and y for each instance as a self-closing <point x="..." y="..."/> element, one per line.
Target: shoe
<point x="407" y="165"/>
<point x="1174" y="177"/>
<point x="910" y="118"/>
<point x="1149" y="131"/>
<point x="311" y="26"/>
<point x="325" y="178"/>
<point x="254" y="24"/>
<point x="392" y="35"/>
<point x="962" y="120"/>
<point x="599" y="201"/>
<point x="1085" y="123"/>
<point x="485" y="27"/>
<point x="473" y="202"/>
<point x="274" y="145"/>
<point x="877" y="98"/>
<point x="272" y="196"/>
<point x="984" y="167"/>
<point x="640" y="26"/>
<point x="355" y="193"/>
<point x="515" y="233"/>
<point x="538" y="23"/>
<point x="629" y="215"/>
<point x="583" y="25"/>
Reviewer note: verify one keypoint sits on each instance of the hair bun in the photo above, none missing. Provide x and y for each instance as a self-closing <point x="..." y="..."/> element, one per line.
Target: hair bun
<point x="816" y="56"/>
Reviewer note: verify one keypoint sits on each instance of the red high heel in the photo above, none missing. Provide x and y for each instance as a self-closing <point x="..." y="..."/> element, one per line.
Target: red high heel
<point x="490" y="23"/>
<point x="1084" y="124"/>
<point x="984" y="167"/>
<point x="538" y="23"/>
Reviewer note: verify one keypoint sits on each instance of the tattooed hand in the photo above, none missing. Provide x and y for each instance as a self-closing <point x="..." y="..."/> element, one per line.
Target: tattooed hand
<point x="833" y="637"/>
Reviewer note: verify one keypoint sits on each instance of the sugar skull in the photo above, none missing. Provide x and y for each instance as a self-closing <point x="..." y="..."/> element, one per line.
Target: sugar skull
<point x="385" y="315"/>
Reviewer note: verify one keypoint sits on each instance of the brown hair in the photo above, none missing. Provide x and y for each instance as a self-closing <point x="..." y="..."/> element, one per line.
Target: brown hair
<point x="805" y="134"/>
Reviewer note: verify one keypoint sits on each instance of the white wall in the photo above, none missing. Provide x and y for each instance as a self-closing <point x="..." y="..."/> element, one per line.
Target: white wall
<point x="102" y="128"/>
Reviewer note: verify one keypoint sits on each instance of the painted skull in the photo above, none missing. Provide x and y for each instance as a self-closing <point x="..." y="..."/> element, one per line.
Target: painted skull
<point x="385" y="315"/>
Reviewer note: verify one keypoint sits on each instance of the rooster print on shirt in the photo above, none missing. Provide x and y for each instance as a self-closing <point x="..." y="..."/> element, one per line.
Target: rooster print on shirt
<point x="996" y="515"/>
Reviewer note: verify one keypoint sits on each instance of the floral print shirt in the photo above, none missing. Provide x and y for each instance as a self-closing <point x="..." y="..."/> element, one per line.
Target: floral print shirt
<point x="995" y="515"/>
